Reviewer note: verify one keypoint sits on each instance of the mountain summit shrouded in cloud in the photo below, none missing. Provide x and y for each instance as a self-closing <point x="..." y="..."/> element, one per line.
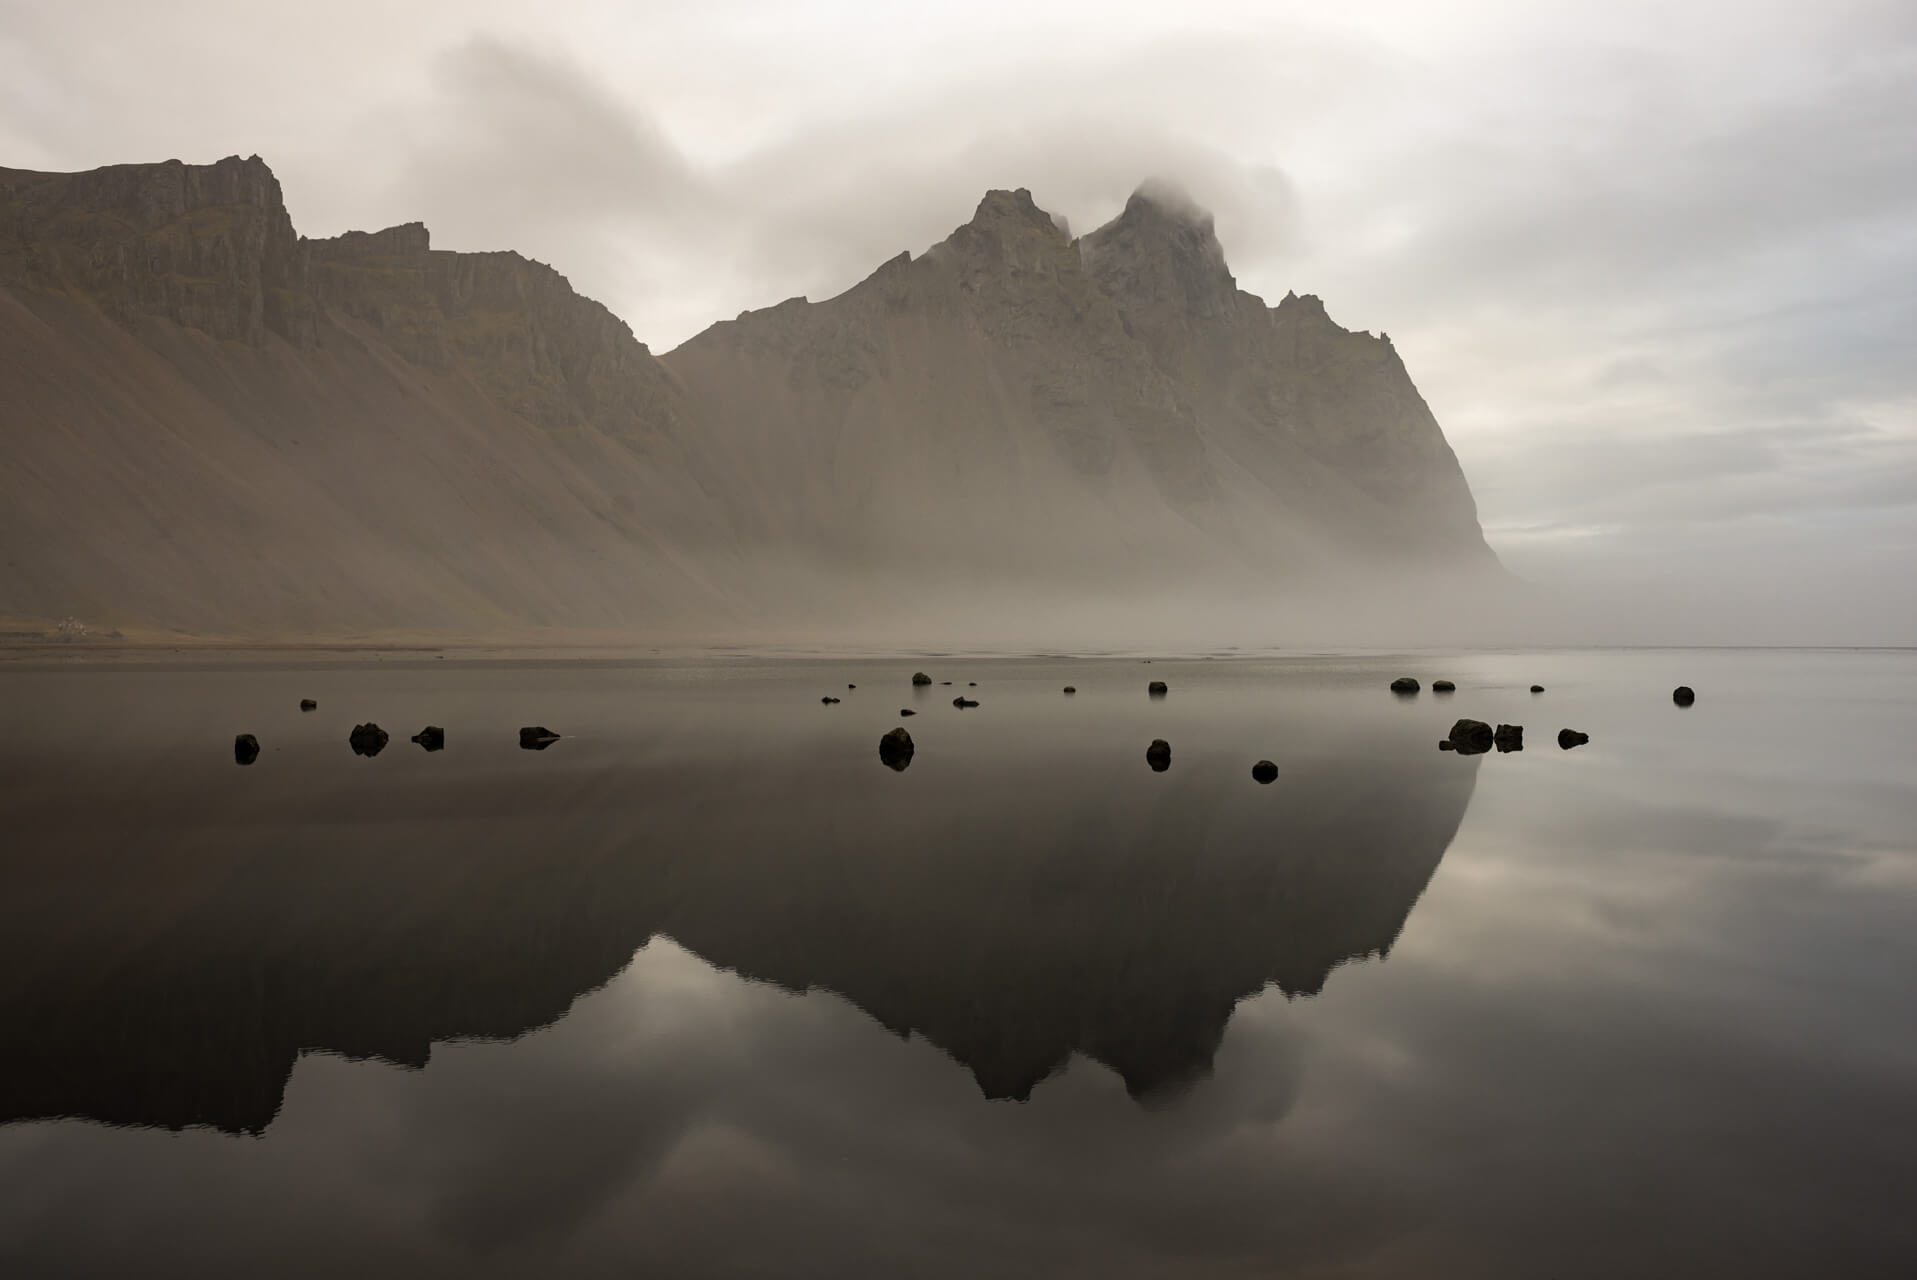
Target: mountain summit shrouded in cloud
<point x="224" y="428"/>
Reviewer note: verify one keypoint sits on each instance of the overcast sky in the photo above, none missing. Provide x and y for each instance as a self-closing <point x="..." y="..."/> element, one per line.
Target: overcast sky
<point x="1654" y="265"/>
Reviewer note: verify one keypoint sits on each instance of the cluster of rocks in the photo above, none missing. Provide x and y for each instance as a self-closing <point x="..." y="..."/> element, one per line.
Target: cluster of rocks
<point x="369" y="739"/>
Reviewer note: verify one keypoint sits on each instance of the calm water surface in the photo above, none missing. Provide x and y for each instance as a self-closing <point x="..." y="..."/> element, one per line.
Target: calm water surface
<point x="706" y="989"/>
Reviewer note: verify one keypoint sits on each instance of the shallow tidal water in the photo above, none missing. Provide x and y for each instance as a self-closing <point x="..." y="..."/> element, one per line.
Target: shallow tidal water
<point x="707" y="989"/>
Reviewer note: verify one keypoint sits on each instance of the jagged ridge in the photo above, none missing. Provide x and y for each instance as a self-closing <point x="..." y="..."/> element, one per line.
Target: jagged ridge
<point x="1014" y="406"/>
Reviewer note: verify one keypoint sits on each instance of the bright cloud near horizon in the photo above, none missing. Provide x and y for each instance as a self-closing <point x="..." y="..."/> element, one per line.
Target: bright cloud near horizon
<point x="1654" y="265"/>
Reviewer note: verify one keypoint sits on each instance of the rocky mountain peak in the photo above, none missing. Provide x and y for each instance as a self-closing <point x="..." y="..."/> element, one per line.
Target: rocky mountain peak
<point x="1162" y="253"/>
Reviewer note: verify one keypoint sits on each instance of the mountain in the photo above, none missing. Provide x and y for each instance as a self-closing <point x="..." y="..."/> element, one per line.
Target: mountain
<point x="219" y="427"/>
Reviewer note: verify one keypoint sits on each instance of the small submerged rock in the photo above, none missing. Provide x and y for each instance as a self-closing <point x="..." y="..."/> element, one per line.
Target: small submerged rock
<point x="1568" y="738"/>
<point x="919" y="677"/>
<point x="907" y="711"/>
<point x="895" y="749"/>
<point x="307" y="704"/>
<point x="1509" y="737"/>
<point x="962" y="702"/>
<point x="1265" y="771"/>
<point x="828" y="700"/>
<point x="1158" y="755"/>
<point x="1443" y="686"/>
<point x="1537" y="688"/>
<point x="1404" y="684"/>
<point x="1157" y="689"/>
<point x="851" y="686"/>
<point x="1071" y="688"/>
<point x="246" y="749"/>
<point x="536" y="737"/>
<point x="367" y="739"/>
<point x="432" y="738"/>
<point x="1683" y="695"/>
<point x="1470" y="738"/>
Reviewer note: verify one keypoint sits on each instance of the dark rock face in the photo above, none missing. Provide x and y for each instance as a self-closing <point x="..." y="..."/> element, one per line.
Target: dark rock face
<point x="1509" y="737"/>
<point x="246" y="749"/>
<point x="1404" y="684"/>
<point x="367" y="739"/>
<point x="919" y="677"/>
<point x="1537" y="688"/>
<point x="536" y="737"/>
<point x="1158" y="755"/>
<point x="432" y="738"/>
<point x="1443" y="686"/>
<point x="307" y="704"/>
<point x="1683" y="695"/>
<point x="1157" y="689"/>
<point x="828" y="700"/>
<point x="962" y="702"/>
<point x="1471" y="737"/>
<point x="1568" y="738"/>
<point x="1071" y="688"/>
<point x="1265" y="771"/>
<point x="895" y="749"/>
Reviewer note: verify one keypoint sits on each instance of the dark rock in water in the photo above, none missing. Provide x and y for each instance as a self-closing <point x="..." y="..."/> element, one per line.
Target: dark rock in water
<point x="1509" y="737"/>
<point x="1157" y="688"/>
<point x="907" y="711"/>
<point x="945" y="682"/>
<point x="828" y="700"/>
<point x="895" y="749"/>
<point x="1568" y="738"/>
<point x="1471" y="737"/>
<point x="536" y="737"/>
<point x="1404" y="684"/>
<point x="432" y="737"/>
<point x="851" y="686"/>
<point x="1537" y="688"/>
<point x="367" y="739"/>
<point x="246" y="749"/>
<point x="1265" y="771"/>
<point x="1683" y="695"/>
<point x="307" y="704"/>
<point x="1446" y="745"/>
<point x="1071" y="688"/>
<point x="971" y="684"/>
<point x="1158" y="755"/>
<point x="961" y="702"/>
<point x="919" y="677"/>
<point x="1443" y="686"/>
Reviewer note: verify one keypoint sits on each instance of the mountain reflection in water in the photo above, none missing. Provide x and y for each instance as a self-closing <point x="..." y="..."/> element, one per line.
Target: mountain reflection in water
<point x="174" y="937"/>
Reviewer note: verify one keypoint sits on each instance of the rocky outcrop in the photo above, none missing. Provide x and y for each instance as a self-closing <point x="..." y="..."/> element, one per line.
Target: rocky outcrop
<point x="367" y="739"/>
<point x="896" y="749"/>
<point x="1470" y="737"/>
